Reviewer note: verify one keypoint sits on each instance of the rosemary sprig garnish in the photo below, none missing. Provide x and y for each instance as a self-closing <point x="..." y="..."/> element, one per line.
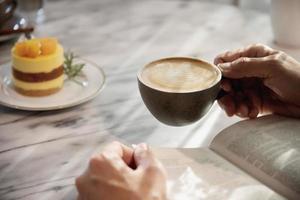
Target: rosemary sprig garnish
<point x="70" y="68"/>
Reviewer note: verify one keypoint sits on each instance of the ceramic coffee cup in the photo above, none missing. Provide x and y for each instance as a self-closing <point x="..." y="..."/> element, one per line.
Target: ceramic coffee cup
<point x="7" y="8"/>
<point x="182" y="107"/>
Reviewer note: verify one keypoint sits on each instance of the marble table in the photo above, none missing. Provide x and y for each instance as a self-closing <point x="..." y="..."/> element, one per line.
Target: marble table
<point x="42" y="152"/>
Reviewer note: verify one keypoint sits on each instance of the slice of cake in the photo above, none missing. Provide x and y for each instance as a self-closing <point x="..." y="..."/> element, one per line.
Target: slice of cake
<point x="37" y="67"/>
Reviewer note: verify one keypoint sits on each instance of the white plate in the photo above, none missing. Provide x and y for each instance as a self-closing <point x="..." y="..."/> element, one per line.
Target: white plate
<point x="72" y="93"/>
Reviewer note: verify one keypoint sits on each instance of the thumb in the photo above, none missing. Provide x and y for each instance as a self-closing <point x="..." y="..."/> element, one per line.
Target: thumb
<point x="247" y="67"/>
<point x="143" y="156"/>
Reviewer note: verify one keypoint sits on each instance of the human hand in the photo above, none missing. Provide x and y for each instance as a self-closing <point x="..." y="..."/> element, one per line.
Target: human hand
<point x="259" y="79"/>
<point x="120" y="172"/>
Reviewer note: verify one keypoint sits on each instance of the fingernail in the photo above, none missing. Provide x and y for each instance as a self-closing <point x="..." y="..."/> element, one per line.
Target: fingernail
<point x="143" y="146"/>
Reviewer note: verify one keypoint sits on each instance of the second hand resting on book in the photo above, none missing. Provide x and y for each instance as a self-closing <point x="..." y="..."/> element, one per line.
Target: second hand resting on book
<point x="257" y="80"/>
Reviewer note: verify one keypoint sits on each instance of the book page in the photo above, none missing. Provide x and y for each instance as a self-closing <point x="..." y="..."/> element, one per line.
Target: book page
<point x="196" y="174"/>
<point x="268" y="148"/>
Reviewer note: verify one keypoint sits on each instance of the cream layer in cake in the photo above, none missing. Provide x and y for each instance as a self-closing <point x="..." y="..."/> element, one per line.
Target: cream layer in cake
<point x="45" y="85"/>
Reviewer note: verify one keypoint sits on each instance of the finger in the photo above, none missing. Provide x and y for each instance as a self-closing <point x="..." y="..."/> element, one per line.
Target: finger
<point x="114" y="158"/>
<point x="252" y="51"/>
<point x="143" y="156"/>
<point x="256" y="103"/>
<point x="242" y="103"/>
<point x="228" y="56"/>
<point x="113" y="164"/>
<point x="253" y="112"/>
<point x="226" y="85"/>
<point x="123" y="151"/>
<point x="246" y="67"/>
<point x="227" y="103"/>
<point x="242" y="110"/>
<point x="257" y="51"/>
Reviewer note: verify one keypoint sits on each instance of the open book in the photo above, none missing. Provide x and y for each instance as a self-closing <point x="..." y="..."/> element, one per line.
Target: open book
<point x="252" y="159"/>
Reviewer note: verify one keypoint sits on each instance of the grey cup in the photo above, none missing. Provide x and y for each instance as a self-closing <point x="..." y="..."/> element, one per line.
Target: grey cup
<point x="179" y="108"/>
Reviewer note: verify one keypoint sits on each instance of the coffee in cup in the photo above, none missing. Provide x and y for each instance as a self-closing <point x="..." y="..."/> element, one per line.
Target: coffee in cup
<point x="179" y="91"/>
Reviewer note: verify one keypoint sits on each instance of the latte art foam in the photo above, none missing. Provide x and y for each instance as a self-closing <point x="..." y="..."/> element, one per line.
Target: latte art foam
<point x="179" y="76"/>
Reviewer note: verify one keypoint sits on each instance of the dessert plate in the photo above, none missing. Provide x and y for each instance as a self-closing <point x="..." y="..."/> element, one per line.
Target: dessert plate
<point x="73" y="93"/>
